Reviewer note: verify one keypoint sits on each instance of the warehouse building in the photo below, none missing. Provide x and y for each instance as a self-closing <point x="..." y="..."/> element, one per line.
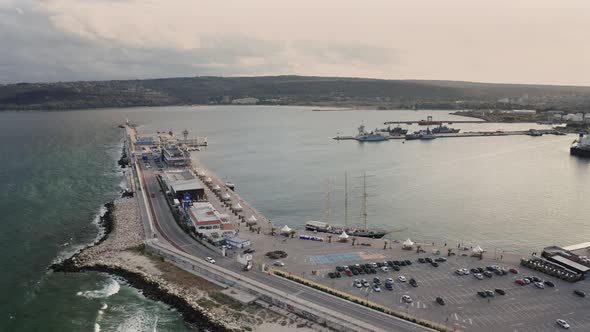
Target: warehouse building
<point x="181" y="182"/>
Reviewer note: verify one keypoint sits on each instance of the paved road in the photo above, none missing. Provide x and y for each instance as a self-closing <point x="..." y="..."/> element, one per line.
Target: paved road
<point x="172" y="233"/>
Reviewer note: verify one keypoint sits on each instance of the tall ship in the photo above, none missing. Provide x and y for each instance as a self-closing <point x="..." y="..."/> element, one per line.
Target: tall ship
<point x="581" y="146"/>
<point x="422" y="134"/>
<point x="445" y="130"/>
<point x="373" y="136"/>
<point x="325" y="227"/>
<point x="395" y="131"/>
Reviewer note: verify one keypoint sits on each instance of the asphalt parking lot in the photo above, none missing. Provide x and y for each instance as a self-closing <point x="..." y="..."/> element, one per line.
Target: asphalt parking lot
<point x="523" y="308"/>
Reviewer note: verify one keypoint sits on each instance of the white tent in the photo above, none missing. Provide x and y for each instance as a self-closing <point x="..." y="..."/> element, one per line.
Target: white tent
<point x="286" y="230"/>
<point x="477" y="249"/>
<point x="252" y="218"/>
<point x="224" y="217"/>
<point x="208" y="180"/>
<point x="238" y="207"/>
<point x="408" y="243"/>
<point x="216" y="188"/>
<point x="226" y="197"/>
<point x="343" y="236"/>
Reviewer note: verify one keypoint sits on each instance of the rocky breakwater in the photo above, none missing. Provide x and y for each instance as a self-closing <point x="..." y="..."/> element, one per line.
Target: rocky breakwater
<point x="120" y="252"/>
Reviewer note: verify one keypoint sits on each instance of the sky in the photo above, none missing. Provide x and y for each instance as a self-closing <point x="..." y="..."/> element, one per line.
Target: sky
<point x="501" y="41"/>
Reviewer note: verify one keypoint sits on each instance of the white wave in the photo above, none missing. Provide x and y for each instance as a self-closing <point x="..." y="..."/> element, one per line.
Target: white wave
<point x="139" y="321"/>
<point x="96" y="327"/>
<point x="104" y="306"/>
<point x="111" y="288"/>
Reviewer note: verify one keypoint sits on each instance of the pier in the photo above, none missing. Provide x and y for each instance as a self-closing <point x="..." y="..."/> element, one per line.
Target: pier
<point x="471" y="134"/>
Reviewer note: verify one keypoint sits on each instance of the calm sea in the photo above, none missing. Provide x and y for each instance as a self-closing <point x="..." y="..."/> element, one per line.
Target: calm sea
<point x="513" y="193"/>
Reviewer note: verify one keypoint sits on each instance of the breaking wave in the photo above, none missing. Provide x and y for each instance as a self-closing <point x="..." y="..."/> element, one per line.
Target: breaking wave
<point x="111" y="288"/>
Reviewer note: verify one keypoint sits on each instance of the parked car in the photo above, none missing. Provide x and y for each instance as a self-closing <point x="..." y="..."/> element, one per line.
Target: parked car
<point x="563" y="324"/>
<point x="210" y="260"/>
<point x="365" y="283"/>
<point x="355" y="272"/>
<point x="407" y="298"/>
<point x="396" y="268"/>
<point x="500" y="291"/>
<point x="403" y="263"/>
<point x="384" y="269"/>
<point x="488" y="274"/>
<point x="348" y="273"/>
<point x="401" y="278"/>
<point x="537" y="279"/>
<point x="490" y="293"/>
<point x="498" y="272"/>
<point x="482" y="294"/>
<point x="474" y="270"/>
<point x="459" y="272"/>
<point x="513" y="270"/>
<point x="441" y="260"/>
<point x="337" y="274"/>
<point x="408" y="262"/>
<point x="520" y="282"/>
<point x="480" y="270"/>
<point x="428" y="259"/>
<point x="421" y="260"/>
<point x="440" y="300"/>
<point x="389" y="285"/>
<point x="413" y="282"/>
<point x="478" y="276"/>
<point x="357" y="283"/>
<point x="549" y="283"/>
<point x="390" y="263"/>
<point x="435" y="264"/>
<point x="377" y="281"/>
<point x="465" y="272"/>
<point x="278" y="263"/>
<point x="332" y="275"/>
<point x="580" y="293"/>
<point x="249" y="251"/>
<point x="376" y="288"/>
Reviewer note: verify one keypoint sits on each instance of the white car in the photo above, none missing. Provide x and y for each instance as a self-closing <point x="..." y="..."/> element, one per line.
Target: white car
<point x="478" y="276"/>
<point x="384" y="269"/>
<point x="376" y="288"/>
<point x="563" y="323"/>
<point x="465" y="272"/>
<point x="357" y="283"/>
<point x="407" y="299"/>
<point x="389" y="280"/>
<point x="210" y="260"/>
<point x="540" y="285"/>
<point x="278" y="263"/>
<point x="401" y="278"/>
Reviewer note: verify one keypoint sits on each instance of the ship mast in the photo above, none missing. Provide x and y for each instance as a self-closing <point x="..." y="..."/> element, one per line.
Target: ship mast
<point x="328" y="202"/>
<point x="345" y="199"/>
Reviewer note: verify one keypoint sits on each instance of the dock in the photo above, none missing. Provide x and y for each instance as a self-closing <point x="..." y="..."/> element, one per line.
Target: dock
<point x="470" y="134"/>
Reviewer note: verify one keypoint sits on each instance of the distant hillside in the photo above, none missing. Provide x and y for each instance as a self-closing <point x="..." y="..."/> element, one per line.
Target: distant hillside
<point x="291" y="90"/>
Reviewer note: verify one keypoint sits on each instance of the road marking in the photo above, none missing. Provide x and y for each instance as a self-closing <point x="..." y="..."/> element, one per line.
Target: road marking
<point x="456" y="317"/>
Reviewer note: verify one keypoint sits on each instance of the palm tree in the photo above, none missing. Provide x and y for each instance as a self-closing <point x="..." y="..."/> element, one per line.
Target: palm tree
<point x="329" y="238"/>
<point x="418" y="249"/>
<point x="353" y="241"/>
<point x="449" y="252"/>
<point x="258" y="230"/>
<point x="384" y="244"/>
<point x="293" y="233"/>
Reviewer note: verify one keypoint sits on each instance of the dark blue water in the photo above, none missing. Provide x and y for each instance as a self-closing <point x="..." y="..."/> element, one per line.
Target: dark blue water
<point x="515" y="193"/>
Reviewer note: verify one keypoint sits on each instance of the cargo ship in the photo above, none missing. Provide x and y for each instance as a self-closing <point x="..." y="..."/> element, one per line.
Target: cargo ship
<point x="581" y="146"/>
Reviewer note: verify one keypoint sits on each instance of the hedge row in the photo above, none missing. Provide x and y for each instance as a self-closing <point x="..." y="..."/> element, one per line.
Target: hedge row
<point x="362" y="302"/>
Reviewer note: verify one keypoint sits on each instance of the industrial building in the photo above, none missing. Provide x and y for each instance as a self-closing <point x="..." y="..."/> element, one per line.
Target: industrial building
<point x="573" y="258"/>
<point x="146" y="140"/>
<point x="183" y="181"/>
<point x="173" y="156"/>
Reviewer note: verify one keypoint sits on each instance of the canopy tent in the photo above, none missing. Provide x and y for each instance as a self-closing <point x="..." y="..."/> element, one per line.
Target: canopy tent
<point x="477" y="249"/>
<point x="408" y="243"/>
<point x="343" y="236"/>
<point x="226" y="197"/>
<point x="238" y="207"/>
<point x="208" y="180"/>
<point x="252" y="218"/>
<point x="286" y="230"/>
<point x="216" y="188"/>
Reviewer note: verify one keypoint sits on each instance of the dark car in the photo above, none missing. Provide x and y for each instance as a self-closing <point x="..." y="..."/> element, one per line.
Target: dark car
<point x="480" y="270"/>
<point x="537" y="279"/>
<point x="490" y="293"/>
<point x="390" y="263"/>
<point x="361" y="271"/>
<point x="500" y="291"/>
<point x="339" y="268"/>
<point x="408" y="262"/>
<point x="332" y="275"/>
<point x="249" y="251"/>
<point x="474" y="270"/>
<point x="579" y="293"/>
<point x="396" y="263"/>
<point x="498" y="272"/>
<point x="487" y="274"/>
<point x="337" y="274"/>
<point x="549" y="283"/>
<point x="413" y="282"/>
<point x="428" y="259"/>
<point x="435" y="264"/>
<point x="403" y="263"/>
<point x="490" y="268"/>
<point x="373" y="271"/>
<point x="421" y="260"/>
<point x="377" y="281"/>
<point x="396" y="268"/>
<point x="440" y="301"/>
<point x="380" y="264"/>
<point x="440" y="260"/>
<point x="504" y="272"/>
<point x="482" y="294"/>
<point x="355" y="272"/>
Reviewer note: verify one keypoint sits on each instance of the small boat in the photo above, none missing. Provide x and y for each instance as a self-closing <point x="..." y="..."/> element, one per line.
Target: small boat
<point x="445" y="130"/>
<point x="230" y="185"/>
<point x="373" y="136"/>
<point x="422" y="134"/>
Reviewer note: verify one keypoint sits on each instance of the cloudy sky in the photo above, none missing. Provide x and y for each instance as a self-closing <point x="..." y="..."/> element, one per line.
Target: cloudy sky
<point x="513" y="41"/>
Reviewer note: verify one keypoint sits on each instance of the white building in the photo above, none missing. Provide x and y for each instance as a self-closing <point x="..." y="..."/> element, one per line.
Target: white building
<point x="209" y="222"/>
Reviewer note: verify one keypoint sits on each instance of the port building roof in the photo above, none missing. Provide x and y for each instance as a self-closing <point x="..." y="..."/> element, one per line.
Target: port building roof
<point x="584" y="245"/>
<point x="571" y="264"/>
<point x="182" y="180"/>
<point x="204" y="214"/>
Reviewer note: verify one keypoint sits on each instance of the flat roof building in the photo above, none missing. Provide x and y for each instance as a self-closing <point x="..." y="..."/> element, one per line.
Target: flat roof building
<point x="181" y="182"/>
<point x="172" y="155"/>
<point x="209" y="222"/>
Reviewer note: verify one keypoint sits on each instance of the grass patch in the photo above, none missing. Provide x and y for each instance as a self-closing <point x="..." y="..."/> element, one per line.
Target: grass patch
<point x="208" y="304"/>
<point x="226" y="300"/>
